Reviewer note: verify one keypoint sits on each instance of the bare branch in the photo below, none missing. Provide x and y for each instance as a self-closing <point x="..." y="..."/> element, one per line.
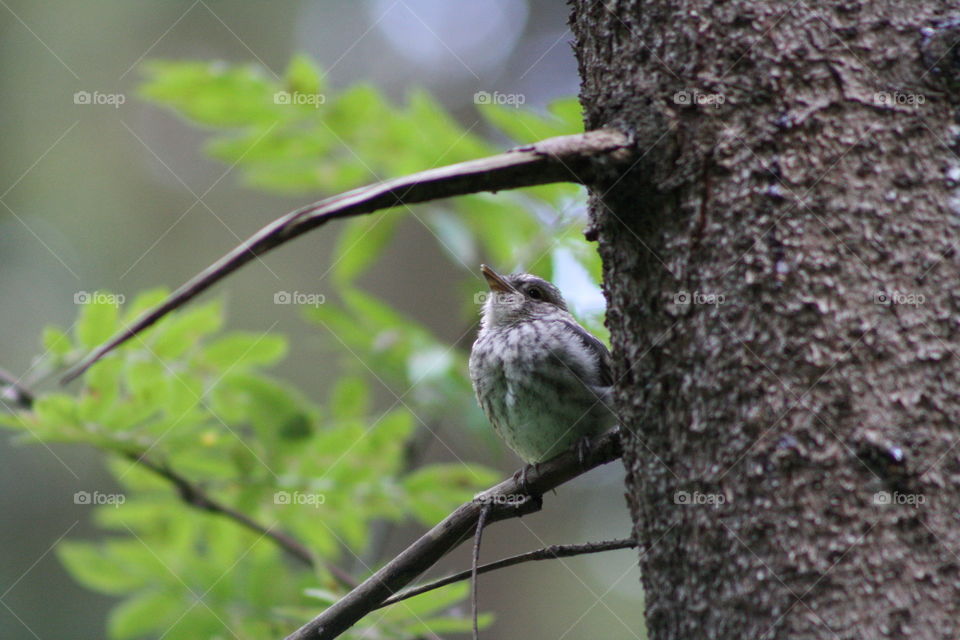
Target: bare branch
<point x="553" y="552"/>
<point x="440" y="540"/>
<point x="563" y="159"/>
<point x="195" y="496"/>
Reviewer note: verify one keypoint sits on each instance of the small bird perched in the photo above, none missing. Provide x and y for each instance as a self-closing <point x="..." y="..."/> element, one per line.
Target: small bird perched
<point x="542" y="380"/>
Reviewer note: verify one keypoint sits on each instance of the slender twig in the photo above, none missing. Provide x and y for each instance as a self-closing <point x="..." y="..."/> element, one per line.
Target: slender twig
<point x="481" y="523"/>
<point x="552" y="552"/>
<point x="563" y="159"/>
<point x="14" y="391"/>
<point x="195" y="496"/>
<point x="506" y="501"/>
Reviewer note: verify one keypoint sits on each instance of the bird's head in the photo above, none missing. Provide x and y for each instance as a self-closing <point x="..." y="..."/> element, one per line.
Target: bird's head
<point x="518" y="297"/>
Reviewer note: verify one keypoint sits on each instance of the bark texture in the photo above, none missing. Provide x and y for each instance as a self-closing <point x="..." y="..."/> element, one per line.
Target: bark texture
<point x="800" y="188"/>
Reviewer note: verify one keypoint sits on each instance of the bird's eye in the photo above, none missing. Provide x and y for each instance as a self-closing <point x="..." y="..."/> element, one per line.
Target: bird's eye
<point x="535" y="293"/>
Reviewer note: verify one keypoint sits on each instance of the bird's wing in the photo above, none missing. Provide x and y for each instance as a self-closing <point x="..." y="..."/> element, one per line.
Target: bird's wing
<point x="597" y="349"/>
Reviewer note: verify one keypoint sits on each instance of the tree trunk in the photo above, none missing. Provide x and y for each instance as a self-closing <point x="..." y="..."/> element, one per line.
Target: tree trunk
<point x="783" y="292"/>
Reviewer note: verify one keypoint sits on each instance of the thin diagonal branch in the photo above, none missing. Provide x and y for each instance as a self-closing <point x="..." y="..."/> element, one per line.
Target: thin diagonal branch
<point x="444" y="537"/>
<point x="195" y="496"/>
<point x="552" y="552"/>
<point x="563" y="159"/>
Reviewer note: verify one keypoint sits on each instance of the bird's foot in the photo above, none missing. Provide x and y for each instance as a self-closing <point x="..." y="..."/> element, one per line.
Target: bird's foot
<point x="520" y="477"/>
<point x="583" y="448"/>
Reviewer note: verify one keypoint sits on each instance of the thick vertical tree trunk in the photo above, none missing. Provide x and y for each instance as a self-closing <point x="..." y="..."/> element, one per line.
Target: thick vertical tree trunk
<point x="784" y="300"/>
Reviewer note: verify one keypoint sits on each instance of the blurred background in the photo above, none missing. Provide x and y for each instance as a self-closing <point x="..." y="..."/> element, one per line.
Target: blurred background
<point x="121" y="197"/>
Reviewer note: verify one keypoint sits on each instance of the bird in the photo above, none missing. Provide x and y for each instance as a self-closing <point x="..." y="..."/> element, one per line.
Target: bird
<point x="544" y="382"/>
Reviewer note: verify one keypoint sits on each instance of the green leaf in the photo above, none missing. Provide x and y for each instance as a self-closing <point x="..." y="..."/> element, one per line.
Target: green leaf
<point x="383" y="444"/>
<point x="273" y="409"/>
<point x="103" y="387"/>
<point x="526" y="126"/>
<point x="436" y="489"/>
<point x="13" y="421"/>
<point x="186" y="393"/>
<point x="570" y="112"/>
<point x="302" y="75"/>
<point x="148" y="382"/>
<point x="179" y="332"/>
<point x="438" y="136"/>
<point x="360" y="244"/>
<point x="56" y="409"/>
<point x="212" y="93"/>
<point x="360" y="106"/>
<point x="143" y="301"/>
<point x="55" y="341"/>
<point x="244" y="349"/>
<point x="431" y="602"/>
<point x="92" y="567"/>
<point x="98" y="318"/>
<point x="502" y="227"/>
<point x="350" y="397"/>
<point x="145" y="612"/>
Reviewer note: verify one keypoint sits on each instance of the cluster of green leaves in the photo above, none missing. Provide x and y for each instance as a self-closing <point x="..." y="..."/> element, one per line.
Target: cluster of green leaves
<point x="295" y="135"/>
<point x="189" y="395"/>
<point x="196" y="398"/>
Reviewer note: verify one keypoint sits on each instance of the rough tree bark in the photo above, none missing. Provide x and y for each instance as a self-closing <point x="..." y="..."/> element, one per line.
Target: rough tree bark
<point x="806" y="172"/>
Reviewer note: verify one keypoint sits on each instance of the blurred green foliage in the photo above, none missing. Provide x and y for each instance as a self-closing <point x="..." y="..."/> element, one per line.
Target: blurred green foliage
<point x="197" y="399"/>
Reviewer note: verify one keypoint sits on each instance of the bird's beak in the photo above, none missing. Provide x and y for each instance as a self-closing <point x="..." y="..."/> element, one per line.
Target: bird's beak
<point x="495" y="280"/>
